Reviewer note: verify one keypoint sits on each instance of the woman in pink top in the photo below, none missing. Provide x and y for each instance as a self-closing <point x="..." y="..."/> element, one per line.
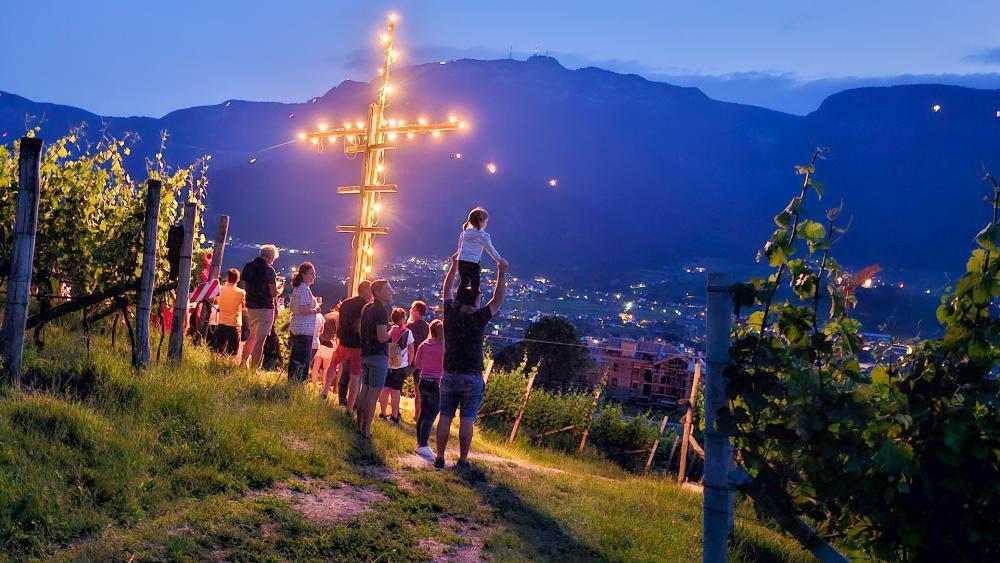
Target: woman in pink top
<point x="430" y="361"/>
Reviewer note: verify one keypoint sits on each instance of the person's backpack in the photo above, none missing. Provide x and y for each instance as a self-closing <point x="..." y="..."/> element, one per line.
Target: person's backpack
<point x="398" y="348"/>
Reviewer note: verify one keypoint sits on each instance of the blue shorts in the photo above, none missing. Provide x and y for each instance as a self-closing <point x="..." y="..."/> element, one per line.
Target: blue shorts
<point x="462" y="391"/>
<point x="374" y="369"/>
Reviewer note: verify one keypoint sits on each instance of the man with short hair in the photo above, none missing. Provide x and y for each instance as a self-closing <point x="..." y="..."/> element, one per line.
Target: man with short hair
<point x="462" y="384"/>
<point x="347" y="356"/>
<point x="374" y="354"/>
<point x="231" y="302"/>
<point x="420" y="329"/>
<point x="262" y="286"/>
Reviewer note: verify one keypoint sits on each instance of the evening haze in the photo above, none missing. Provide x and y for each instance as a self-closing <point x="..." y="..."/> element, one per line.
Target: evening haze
<point x="118" y="58"/>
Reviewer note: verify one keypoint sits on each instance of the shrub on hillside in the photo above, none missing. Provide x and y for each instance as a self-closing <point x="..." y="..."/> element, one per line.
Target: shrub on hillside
<point x="899" y="463"/>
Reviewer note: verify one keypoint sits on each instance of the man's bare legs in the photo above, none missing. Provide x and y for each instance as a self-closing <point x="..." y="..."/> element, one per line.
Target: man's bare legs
<point x="465" y="429"/>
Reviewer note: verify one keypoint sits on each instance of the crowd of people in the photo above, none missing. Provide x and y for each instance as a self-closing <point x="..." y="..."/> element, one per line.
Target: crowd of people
<point x="365" y="350"/>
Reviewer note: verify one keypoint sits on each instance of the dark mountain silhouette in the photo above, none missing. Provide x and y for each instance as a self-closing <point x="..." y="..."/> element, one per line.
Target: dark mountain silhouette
<point x="648" y="173"/>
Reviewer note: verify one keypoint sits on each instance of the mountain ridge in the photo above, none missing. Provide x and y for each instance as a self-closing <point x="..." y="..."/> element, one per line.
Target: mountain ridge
<point x="648" y="173"/>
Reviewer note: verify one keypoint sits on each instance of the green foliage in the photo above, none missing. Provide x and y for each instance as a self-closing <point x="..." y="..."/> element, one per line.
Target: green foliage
<point x="899" y="463"/>
<point x="553" y="345"/>
<point x="610" y="433"/>
<point x="91" y="210"/>
<point x="620" y="438"/>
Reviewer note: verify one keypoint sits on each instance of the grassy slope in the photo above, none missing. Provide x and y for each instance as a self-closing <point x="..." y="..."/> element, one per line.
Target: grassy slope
<point x="108" y="465"/>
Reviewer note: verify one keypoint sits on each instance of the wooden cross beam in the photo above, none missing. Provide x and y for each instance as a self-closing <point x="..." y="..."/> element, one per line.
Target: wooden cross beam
<point x="372" y="139"/>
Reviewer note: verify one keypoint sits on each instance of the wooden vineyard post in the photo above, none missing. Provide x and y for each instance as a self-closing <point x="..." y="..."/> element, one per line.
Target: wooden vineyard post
<point x="215" y="271"/>
<point x="176" y="347"/>
<point x="593" y="409"/>
<point x="688" y="422"/>
<point x="656" y="444"/>
<point x="718" y="498"/>
<point x="520" y="415"/>
<point x="19" y="280"/>
<point x="487" y="372"/>
<point x="144" y="303"/>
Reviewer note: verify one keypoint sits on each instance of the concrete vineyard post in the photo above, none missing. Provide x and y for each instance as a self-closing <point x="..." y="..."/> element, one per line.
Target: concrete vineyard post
<point x="717" y="514"/>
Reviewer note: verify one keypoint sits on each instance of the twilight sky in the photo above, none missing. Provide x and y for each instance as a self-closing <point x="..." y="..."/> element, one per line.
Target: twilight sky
<point x="148" y="58"/>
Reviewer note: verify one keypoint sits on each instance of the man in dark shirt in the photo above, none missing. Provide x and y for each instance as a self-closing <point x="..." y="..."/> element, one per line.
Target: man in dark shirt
<point x="348" y="352"/>
<point x="462" y="384"/>
<point x="420" y="329"/>
<point x="374" y="354"/>
<point x="262" y="286"/>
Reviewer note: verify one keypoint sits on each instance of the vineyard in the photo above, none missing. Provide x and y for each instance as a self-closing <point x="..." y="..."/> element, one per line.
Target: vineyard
<point x="898" y="461"/>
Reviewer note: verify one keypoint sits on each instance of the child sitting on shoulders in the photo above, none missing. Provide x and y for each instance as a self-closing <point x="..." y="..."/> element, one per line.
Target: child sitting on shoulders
<point x="471" y="243"/>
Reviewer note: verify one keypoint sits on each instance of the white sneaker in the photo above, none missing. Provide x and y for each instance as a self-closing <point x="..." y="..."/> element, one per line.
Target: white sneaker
<point x="426" y="452"/>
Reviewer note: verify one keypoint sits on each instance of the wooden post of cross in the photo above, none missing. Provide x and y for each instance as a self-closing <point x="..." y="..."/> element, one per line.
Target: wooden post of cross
<point x="144" y="301"/>
<point x="524" y="405"/>
<point x="19" y="280"/>
<point x="176" y="347"/>
<point x="372" y="139"/>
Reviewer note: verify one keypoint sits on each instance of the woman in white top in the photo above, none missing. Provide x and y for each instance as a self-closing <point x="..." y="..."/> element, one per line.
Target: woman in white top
<point x="471" y="244"/>
<point x="303" y="324"/>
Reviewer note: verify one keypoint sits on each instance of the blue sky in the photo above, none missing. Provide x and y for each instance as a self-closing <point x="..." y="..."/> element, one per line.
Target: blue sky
<point x="148" y="58"/>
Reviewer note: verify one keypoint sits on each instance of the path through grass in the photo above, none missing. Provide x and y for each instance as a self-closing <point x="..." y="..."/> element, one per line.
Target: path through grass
<point x="208" y="462"/>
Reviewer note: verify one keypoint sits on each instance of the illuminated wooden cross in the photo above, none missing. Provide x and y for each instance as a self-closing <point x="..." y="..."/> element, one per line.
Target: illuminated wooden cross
<point x="371" y="140"/>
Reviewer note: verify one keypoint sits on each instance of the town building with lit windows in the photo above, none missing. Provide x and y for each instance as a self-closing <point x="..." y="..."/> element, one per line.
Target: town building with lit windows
<point x="645" y="372"/>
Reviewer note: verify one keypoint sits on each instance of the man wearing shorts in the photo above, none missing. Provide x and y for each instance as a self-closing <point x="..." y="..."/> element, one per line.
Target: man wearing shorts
<point x="262" y="287"/>
<point x="462" y="383"/>
<point x="347" y="356"/>
<point x="374" y="354"/>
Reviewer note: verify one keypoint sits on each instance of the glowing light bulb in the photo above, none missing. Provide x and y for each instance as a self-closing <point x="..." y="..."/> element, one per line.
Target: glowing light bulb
<point x="391" y="136"/>
<point x="359" y="124"/>
<point x="379" y="167"/>
<point x="369" y="251"/>
<point x="377" y="207"/>
<point x="393" y="17"/>
<point x="347" y="125"/>
<point x="331" y="138"/>
<point x="384" y="37"/>
<point x="422" y="121"/>
<point x="435" y="133"/>
<point x="461" y="125"/>
<point x="323" y="126"/>
<point x="553" y="182"/>
<point x="409" y="135"/>
<point x="302" y="136"/>
<point x="452" y="119"/>
<point x="491" y="167"/>
<point x="388" y="88"/>
<point x="314" y="140"/>
<point x="368" y="269"/>
<point x="392" y="123"/>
